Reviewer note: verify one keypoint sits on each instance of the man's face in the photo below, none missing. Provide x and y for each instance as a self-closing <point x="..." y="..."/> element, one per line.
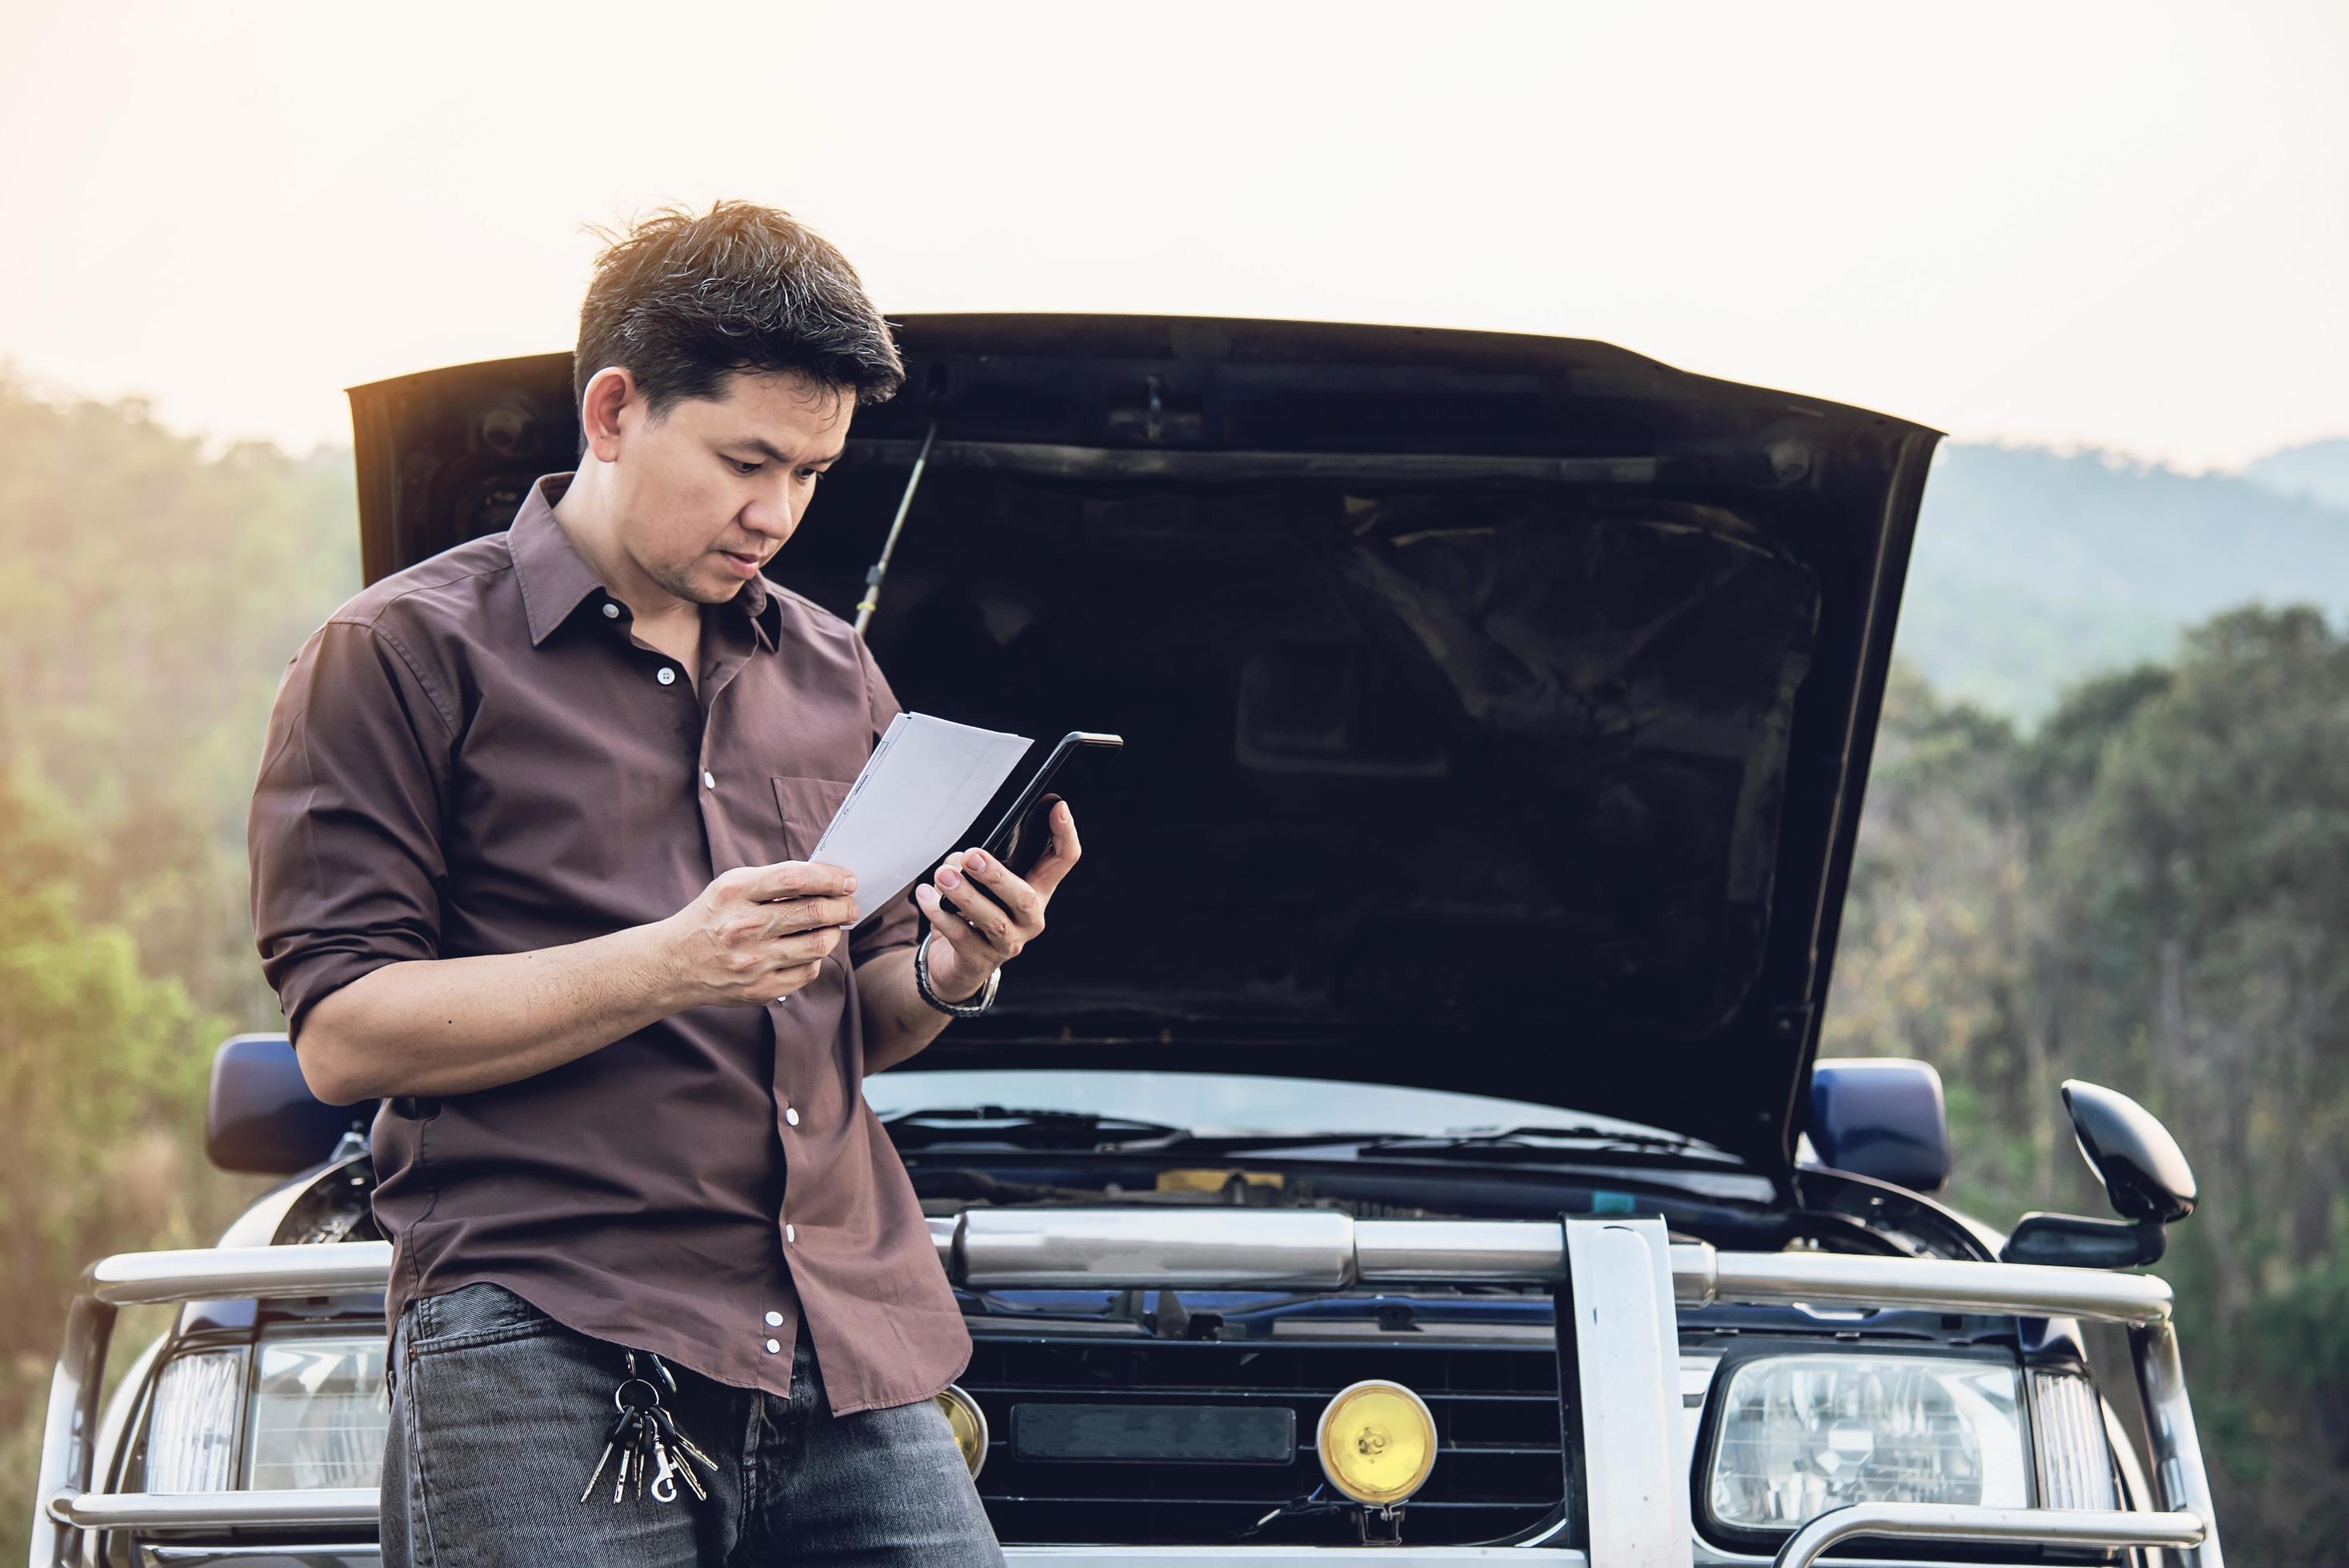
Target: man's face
<point x="707" y="493"/>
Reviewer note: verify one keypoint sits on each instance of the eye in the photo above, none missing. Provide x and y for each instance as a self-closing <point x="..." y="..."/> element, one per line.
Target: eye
<point x="812" y="473"/>
<point x="741" y="466"/>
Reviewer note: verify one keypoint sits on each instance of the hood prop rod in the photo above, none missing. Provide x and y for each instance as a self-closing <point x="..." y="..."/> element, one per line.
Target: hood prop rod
<point x="880" y="569"/>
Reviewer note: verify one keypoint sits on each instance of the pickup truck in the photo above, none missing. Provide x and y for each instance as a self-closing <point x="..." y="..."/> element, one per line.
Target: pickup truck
<point x="1479" y="1195"/>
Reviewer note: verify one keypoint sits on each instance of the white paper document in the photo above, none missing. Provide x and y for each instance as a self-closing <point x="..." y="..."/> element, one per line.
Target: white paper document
<point x="924" y="783"/>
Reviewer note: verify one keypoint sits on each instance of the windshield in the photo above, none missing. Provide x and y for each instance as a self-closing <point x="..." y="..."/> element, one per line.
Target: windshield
<point x="1212" y="1103"/>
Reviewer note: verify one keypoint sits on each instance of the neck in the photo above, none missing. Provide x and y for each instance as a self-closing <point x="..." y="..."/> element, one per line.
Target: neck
<point x="591" y="522"/>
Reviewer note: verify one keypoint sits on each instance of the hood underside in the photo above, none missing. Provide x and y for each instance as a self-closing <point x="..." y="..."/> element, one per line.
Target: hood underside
<point x="1496" y="707"/>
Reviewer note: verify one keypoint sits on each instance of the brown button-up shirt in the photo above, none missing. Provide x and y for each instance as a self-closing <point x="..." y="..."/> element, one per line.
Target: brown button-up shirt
<point x="478" y="755"/>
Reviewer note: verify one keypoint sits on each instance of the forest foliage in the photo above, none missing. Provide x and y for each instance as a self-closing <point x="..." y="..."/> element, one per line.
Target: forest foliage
<point x="2149" y="889"/>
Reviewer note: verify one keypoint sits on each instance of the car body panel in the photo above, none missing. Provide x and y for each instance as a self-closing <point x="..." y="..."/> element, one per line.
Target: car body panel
<point x="1496" y="706"/>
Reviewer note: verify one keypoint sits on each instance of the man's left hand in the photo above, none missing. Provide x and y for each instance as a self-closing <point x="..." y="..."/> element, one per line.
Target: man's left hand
<point x="986" y="929"/>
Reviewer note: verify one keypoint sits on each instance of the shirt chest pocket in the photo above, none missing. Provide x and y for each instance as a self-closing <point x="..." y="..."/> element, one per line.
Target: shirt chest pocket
<point x="805" y="807"/>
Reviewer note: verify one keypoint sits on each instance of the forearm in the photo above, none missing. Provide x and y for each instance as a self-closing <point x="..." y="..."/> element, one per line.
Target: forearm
<point x="897" y="1022"/>
<point x="454" y="1026"/>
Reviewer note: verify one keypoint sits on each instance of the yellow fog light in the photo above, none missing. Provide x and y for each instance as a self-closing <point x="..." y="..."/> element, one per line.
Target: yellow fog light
<point x="969" y="1424"/>
<point x="1377" y="1442"/>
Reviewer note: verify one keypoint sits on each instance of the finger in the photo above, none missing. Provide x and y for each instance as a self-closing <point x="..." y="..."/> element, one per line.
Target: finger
<point x="795" y="879"/>
<point x="782" y="983"/>
<point x="1061" y="855"/>
<point x="978" y="911"/>
<point x="1026" y="908"/>
<point x="955" y="931"/>
<point x="787" y="916"/>
<point x="801" y="947"/>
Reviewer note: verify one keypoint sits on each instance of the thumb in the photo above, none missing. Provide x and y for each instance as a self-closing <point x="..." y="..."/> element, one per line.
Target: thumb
<point x="946" y="961"/>
<point x="1061" y="856"/>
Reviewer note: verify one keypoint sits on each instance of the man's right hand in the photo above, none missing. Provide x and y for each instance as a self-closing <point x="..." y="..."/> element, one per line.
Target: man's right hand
<point x="758" y="934"/>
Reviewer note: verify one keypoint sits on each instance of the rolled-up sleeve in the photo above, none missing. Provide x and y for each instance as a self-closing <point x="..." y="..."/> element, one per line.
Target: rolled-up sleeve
<point x="345" y="835"/>
<point x="900" y="922"/>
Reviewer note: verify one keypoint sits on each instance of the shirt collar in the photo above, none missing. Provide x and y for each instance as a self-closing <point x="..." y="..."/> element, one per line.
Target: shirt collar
<point x="556" y="578"/>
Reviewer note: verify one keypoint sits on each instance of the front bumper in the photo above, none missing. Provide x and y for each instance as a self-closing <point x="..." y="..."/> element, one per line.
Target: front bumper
<point x="1624" y="1277"/>
<point x="1049" y="1556"/>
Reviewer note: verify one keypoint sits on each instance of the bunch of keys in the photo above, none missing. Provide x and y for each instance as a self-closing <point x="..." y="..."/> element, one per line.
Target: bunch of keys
<point x="645" y="1437"/>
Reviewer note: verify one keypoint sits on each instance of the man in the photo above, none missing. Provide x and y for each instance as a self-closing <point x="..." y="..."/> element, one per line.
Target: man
<point x="529" y="865"/>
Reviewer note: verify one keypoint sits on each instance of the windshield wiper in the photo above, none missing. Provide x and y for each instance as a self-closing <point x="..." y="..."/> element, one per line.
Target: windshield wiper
<point x="967" y="1125"/>
<point x="1023" y="1128"/>
<point x="1540" y="1141"/>
<point x="947" y="1126"/>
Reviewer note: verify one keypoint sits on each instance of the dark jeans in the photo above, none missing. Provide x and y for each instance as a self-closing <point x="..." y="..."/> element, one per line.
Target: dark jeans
<point x="497" y="1422"/>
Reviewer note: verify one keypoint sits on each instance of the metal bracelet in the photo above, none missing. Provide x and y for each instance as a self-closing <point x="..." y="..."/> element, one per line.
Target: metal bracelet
<point x="978" y="1003"/>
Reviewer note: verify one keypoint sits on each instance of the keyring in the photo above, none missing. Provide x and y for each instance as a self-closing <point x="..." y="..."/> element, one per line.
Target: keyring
<point x="619" y="1404"/>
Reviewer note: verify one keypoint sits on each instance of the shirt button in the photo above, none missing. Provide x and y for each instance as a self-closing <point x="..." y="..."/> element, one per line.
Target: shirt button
<point x="709" y="779"/>
<point x="667" y="676"/>
<point x="775" y="1320"/>
<point x="790" y="1233"/>
<point x="792" y="1114"/>
<point x="775" y="1347"/>
<point x="611" y="611"/>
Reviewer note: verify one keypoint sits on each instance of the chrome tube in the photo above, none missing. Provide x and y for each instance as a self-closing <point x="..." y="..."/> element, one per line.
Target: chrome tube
<point x="67" y="1451"/>
<point x="2016" y="1526"/>
<point x="2177" y="1470"/>
<point x="62" y="1501"/>
<point x="1458" y="1250"/>
<point x="324" y="1268"/>
<point x="1702" y="1275"/>
<point x="1041" y="1248"/>
<point x="348" y="1507"/>
<point x="1306" y="1249"/>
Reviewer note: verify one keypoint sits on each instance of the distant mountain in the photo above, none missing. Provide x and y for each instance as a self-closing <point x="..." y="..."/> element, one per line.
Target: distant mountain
<point x="2035" y="568"/>
<point x="2317" y="471"/>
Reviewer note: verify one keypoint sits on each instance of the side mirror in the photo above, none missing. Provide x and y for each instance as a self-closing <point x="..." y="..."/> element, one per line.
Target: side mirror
<point x="2145" y="1175"/>
<point x="1881" y="1116"/>
<point x="2144" y="1171"/>
<point x="261" y="1116"/>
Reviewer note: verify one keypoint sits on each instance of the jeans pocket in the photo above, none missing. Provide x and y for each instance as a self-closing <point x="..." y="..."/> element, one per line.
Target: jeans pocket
<point x="483" y="1313"/>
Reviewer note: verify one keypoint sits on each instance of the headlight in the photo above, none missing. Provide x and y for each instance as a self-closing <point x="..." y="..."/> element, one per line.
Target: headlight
<point x="319" y="1411"/>
<point x="969" y="1424"/>
<point x="191" y="1436"/>
<point x="1800" y="1434"/>
<point x="1377" y="1442"/>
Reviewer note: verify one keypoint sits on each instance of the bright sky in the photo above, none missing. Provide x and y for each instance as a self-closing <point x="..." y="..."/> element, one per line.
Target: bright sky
<point x="2115" y="224"/>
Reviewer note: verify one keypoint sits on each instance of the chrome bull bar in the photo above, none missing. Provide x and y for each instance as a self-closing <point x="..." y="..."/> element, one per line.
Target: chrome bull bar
<point x="1992" y="1526"/>
<point x="1115" y="1248"/>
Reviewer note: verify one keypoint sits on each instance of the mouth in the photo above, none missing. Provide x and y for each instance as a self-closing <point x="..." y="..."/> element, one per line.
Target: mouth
<point x="743" y="566"/>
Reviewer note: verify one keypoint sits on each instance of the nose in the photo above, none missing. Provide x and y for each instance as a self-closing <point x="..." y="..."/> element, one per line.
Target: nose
<point x="769" y="514"/>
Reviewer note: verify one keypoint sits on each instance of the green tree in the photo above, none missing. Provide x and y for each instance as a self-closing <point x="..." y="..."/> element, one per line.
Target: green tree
<point x="2204" y="883"/>
<point x="2152" y="891"/>
<point x="148" y="596"/>
<point x="102" y="1075"/>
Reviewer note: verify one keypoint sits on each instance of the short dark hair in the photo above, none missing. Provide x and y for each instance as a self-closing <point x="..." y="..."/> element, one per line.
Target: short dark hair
<point x="684" y="301"/>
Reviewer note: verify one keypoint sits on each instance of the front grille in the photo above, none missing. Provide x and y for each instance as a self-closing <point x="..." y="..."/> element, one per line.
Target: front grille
<point x="1498" y="1469"/>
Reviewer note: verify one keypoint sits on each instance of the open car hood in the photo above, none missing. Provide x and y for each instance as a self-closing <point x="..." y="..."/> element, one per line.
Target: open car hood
<point x="1496" y="707"/>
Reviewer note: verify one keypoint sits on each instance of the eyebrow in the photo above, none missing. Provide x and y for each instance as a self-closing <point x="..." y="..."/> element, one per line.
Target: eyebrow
<point x="764" y="449"/>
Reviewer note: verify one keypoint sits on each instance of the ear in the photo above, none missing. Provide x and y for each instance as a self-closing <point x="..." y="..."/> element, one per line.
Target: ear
<point x="611" y="392"/>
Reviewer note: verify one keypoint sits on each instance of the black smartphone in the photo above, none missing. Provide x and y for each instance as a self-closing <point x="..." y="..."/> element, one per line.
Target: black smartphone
<point x="1019" y="839"/>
